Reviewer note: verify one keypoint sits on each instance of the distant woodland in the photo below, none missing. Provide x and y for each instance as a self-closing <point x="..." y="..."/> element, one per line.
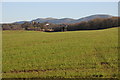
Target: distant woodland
<point x="94" y="24"/>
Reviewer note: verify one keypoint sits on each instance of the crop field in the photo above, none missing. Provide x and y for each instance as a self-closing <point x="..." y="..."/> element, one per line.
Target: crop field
<point x="72" y="54"/>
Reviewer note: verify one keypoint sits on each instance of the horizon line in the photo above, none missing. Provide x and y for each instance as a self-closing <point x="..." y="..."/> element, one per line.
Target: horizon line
<point x="58" y="18"/>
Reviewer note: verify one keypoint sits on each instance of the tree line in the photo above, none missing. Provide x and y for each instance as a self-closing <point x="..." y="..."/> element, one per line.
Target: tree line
<point x="95" y="24"/>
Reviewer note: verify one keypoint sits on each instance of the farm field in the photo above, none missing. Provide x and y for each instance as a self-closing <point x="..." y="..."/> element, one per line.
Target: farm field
<point x="72" y="54"/>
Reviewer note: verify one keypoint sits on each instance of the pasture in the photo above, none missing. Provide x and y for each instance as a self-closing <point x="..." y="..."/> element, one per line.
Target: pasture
<point x="72" y="54"/>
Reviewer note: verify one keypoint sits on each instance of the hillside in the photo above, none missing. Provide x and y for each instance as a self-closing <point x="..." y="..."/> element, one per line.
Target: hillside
<point x="72" y="54"/>
<point x="94" y="22"/>
<point x="66" y="20"/>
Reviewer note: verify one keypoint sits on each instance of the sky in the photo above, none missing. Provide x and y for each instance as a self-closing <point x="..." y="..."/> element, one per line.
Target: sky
<point x="26" y="11"/>
<point x="60" y="0"/>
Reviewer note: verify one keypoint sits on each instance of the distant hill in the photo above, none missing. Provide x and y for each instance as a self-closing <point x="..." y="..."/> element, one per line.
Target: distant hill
<point x="92" y="17"/>
<point x="66" y="20"/>
<point x="21" y="22"/>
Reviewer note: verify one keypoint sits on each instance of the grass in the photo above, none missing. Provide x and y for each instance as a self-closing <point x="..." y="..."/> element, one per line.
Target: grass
<point x="73" y="54"/>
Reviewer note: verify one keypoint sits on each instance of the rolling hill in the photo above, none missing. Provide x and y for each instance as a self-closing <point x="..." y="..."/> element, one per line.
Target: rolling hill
<point x="66" y="20"/>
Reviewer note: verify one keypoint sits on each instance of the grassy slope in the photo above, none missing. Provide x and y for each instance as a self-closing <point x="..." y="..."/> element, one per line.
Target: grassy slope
<point x="66" y="54"/>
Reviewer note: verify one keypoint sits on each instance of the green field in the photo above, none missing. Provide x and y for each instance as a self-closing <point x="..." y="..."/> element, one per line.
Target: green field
<point x="72" y="54"/>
